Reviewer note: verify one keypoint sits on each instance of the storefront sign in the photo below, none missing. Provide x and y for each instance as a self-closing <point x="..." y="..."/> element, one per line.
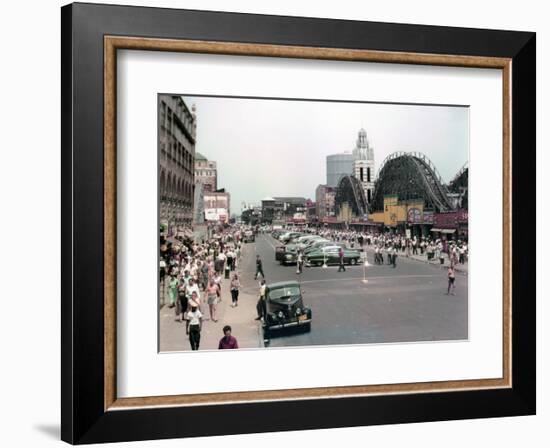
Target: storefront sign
<point x="414" y="216"/>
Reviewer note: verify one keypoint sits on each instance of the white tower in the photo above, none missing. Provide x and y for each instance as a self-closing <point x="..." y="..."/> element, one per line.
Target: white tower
<point x="363" y="166"/>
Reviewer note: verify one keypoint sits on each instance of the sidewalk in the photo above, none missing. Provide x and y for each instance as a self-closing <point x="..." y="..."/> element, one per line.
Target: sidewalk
<point x="461" y="268"/>
<point x="241" y="318"/>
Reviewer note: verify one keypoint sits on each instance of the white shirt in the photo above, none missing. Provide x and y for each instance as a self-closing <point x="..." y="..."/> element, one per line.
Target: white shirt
<point x="194" y="317"/>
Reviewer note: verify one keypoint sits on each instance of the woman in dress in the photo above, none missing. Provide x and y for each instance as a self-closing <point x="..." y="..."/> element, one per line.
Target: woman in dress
<point x="173" y="284"/>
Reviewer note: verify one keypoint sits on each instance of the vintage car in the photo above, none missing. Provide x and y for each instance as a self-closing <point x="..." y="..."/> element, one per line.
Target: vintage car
<point x="329" y="255"/>
<point x="285" y="238"/>
<point x="287" y="254"/>
<point x="318" y="244"/>
<point x="249" y="236"/>
<point x="285" y="308"/>
<point x="280" y="253"/>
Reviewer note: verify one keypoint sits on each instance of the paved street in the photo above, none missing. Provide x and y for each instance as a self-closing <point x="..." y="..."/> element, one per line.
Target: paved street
<point x="407" y="303"/>
<point x="404" y="304"/>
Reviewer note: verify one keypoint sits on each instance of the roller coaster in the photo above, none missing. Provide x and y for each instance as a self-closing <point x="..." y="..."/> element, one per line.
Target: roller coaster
<point x="350" y="191"/>
<point x="410" y="175"/>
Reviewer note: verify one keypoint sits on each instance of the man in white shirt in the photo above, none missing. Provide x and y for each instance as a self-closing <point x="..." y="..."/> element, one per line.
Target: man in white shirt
<point x="193" y="325"/>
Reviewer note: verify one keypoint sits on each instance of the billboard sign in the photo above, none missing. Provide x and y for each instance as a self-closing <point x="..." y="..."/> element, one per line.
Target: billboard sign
<point x="216" y="214"/>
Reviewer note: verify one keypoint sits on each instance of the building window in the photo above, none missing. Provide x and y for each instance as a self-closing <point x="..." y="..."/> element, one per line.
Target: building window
<point x="361" y="174"/>
<point x="368" y="194"/>
<point x="368" y="175"/>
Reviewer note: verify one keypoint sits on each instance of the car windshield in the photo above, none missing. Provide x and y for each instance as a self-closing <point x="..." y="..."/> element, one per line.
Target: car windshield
<point x="285" y="291"/>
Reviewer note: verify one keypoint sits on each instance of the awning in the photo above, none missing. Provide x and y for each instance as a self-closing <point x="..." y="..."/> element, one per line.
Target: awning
<point x="443" y="230"/>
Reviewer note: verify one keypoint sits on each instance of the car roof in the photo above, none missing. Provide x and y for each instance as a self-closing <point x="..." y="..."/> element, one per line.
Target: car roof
<point x="283" y="284"/>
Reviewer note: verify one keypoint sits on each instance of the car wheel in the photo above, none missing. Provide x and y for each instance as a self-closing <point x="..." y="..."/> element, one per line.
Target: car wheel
<point x="353" y="261"/>
<point x="307" y="327"/>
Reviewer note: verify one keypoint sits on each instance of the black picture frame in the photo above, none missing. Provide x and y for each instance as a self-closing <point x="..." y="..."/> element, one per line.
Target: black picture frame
<point x="83" y="415"/>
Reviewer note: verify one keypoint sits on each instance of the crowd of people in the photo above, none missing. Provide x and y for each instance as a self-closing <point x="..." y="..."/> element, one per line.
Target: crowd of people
<point x="388" y="245"/>
<point x="193" y="272"/>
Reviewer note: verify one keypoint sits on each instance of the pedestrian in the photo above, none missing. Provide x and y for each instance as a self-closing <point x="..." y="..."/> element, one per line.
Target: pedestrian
<point x="261" y="305"/>
<point x="204" y="275"/>
<point x="212" y="298"/>
<point x="394" y="258"/>
<point x="228" y="341"/>
<point x="193" y="325"/>
<point x="162" y="267"/>
<point x="218" y="282"/>
<point x="173" y="284"/>
<point x="341" y="266"/>
<point x="259" y="268"/>
<point x="219" y="262"/>
<point x="193" y="287"/>
<point x="451" y="280"/>
<point x="181" y="305"/>
<point x="234" y="286"/>
<point x="230" y="259"/>
<point x="299" y="262"/>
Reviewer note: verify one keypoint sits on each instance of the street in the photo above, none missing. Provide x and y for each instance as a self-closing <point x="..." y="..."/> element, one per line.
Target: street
<point x="403" y="304"/>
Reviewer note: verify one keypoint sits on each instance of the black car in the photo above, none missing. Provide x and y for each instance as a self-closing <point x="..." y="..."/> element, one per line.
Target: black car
<point x="280" y="253"/>
<point x="285" y="308"/>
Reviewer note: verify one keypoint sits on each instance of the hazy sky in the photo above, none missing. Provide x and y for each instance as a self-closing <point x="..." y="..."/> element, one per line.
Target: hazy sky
<point x="279" y="147"/>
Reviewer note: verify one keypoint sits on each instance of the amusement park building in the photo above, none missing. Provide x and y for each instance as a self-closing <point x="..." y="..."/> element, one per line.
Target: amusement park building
<point x="410" y="194"/>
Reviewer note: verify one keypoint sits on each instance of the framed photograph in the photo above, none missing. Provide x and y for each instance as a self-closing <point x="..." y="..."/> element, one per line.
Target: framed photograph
<point x="283" y="223"/>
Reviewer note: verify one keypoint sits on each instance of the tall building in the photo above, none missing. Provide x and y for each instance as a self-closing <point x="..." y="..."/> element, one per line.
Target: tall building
<point x="339" y="165"/>
<point x="363" y="165"/>
<point x="206" y="172"/>
<point x="324" y="201"/>
<point x="359" y="163"/>
<point x="177" y="133"/>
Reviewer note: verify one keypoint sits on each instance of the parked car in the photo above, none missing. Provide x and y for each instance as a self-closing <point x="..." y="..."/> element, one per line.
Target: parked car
<point x="285" y="308"/>
<point x="318" y="244"/>
<point x="277" y="233"/>
<point x="290" y="254"/>
<point x="313" y="241"/>
<point x="249" y="236"/>
<point x="280" y="253"/>
<point x="329" y="255"/>
<point x="285" y="238"/>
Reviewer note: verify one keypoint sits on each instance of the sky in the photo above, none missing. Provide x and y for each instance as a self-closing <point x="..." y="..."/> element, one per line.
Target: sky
<point x="278" y="147"/>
